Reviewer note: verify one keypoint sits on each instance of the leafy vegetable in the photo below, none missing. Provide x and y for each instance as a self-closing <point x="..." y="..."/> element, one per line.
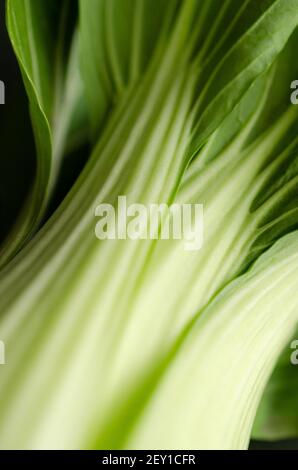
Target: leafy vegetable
<point x="184" y="106"/>
<point x="44" y="41"/>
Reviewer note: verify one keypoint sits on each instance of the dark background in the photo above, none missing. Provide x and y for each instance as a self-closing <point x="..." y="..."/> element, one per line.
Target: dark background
<point x="17" y="157"/>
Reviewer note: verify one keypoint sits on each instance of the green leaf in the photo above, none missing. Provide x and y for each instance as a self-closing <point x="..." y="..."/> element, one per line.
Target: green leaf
<point x="46" y="47"/>
<point x="257" y="34"/>
<point x="118" y="39"/>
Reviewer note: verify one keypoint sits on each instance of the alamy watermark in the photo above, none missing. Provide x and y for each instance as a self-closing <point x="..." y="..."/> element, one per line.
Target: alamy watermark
<point x="151" y="222"/>
<point x="294" y="94"/>
<point x="2" y="353"/>
<point x="2" y="92"/>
